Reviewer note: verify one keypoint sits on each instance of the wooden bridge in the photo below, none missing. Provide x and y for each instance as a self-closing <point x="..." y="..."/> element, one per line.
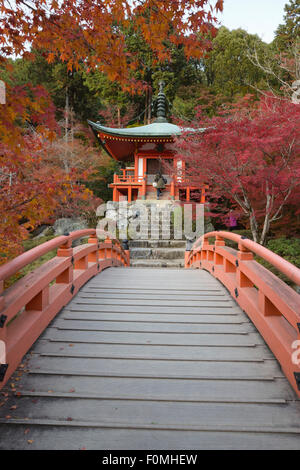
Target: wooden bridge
<point x="129" y="358"/>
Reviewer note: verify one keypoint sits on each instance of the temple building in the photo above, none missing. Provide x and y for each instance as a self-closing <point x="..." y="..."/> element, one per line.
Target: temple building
<point x="147" y="148"/>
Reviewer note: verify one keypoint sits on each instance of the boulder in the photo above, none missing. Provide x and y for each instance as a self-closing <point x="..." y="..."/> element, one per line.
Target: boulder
<point x="67" y="225"/>
<point x="43" y="231"/>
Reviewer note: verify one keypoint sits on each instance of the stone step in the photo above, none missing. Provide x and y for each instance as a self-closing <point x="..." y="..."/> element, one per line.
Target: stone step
<point x="157" y="253"/>
<point x="157" y="244"/>
<point x="157" y="263"/>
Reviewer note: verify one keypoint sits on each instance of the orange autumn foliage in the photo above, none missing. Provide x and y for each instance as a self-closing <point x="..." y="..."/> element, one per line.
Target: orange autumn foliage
<point x="84" y="34"/>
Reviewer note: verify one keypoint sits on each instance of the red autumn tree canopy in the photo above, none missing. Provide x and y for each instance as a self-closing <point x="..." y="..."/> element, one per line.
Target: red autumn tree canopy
<point x="32" y="184"/>
<point x="249" y="156"/>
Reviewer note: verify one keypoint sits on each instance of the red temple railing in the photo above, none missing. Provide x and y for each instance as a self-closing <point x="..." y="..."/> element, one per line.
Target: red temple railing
<point x="272" y="305"/>
<point x="27" y="307"/>
<point x="128" y="179"/>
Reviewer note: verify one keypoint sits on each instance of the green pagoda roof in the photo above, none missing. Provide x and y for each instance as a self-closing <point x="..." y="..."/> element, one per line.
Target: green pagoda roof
<point x="162" y="129"/>
<point x="122" y="143"/>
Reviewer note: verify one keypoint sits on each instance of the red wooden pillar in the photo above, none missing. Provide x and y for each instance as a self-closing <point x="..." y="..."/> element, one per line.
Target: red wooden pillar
<point x="188" y="193"/>
<point x="172" y="191"/>
<point x="203" y="195"/>
<point x="115" y="194"/>
<point x="136" y="166"/>
<point x="129" y="193"/>
<point x="144" y="187"/>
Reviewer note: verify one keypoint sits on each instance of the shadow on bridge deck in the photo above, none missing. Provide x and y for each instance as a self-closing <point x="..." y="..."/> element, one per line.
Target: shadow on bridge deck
<point x="150" y="359"/>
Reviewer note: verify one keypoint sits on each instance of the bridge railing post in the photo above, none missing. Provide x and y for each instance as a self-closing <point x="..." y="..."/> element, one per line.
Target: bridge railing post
<point x="66" y="251"/>
<point x="243" y="254"/>
<point x="94" y="255"/>
<point x="108" y="251"/>
<point x="218" y="258"/>
<point x="204" y="251"/>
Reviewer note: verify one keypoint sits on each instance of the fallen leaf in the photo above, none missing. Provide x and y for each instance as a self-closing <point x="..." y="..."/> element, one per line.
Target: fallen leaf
<point x="72" y="390"/>
<point x="30" y="441"/>
<point x="71" y="345"/>
<point x="14" y="407"/>
<point x="26" y="431"/>
<point x="69" y="419"/>
<point x="7" y="416"/>
<point x="50" y="391"/>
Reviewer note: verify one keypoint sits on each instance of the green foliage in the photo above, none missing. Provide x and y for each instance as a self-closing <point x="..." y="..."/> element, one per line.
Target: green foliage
<point x="56" y="79"/>
<point x="287" y="248"/>
<point x="33" y="242"/>
<point x="28" y="245"/>
<point x="101" y="178"/>
<point x="228" y="69"/>
<point x="288" y="32"/>
<point x="109" y="93"/>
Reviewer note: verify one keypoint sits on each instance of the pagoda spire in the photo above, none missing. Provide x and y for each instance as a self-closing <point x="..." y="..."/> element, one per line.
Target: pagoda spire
<point x="161" y="104"/>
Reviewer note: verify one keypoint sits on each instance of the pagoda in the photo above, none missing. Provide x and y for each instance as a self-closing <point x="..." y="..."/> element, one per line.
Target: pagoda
<point x="148" y="147"/>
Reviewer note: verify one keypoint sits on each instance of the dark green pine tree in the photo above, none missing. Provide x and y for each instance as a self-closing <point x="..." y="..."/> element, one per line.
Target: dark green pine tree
<point x="288" y="33"/>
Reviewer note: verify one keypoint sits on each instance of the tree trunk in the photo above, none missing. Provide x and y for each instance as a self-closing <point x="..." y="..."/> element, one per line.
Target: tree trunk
<point x="253" y="226"/>
<point x="66" y="131"/>
<point x="119" y="116"/>
<point x="149" y="107"/>
<point x="146" y="108"/>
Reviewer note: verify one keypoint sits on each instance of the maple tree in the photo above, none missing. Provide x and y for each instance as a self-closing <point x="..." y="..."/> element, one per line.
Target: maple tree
<point x="248" y="155"/>
<point x="32" y="184"/>
<point x="83" y="35"/>
<point x="91" y="34"/>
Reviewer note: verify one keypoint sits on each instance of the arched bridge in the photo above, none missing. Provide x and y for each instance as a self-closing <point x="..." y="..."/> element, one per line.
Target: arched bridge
<point x="128" y="358"/>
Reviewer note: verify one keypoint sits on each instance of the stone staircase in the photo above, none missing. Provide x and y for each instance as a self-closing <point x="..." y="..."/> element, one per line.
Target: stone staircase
<point x="157" y="253"/>
<point x="159" y="249"/>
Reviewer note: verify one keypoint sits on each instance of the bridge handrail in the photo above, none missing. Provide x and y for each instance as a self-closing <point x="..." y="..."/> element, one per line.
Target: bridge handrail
<point x="12" y="267"/>
<point x="272" y="305"/>
<point x="284" y="266"/>
<point x="27" y="307"/>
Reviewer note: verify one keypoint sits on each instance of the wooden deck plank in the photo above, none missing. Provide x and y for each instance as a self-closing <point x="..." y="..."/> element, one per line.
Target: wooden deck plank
<point x="83" y="325"/>
<point x="200" y="353"/>
<point x="245" y="391"/>
<point x="138" y="362"/>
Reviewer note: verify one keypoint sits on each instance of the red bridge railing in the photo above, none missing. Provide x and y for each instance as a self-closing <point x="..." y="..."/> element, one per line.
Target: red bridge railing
<point x="27" y="307"/>
<point x="272" y="305"/>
